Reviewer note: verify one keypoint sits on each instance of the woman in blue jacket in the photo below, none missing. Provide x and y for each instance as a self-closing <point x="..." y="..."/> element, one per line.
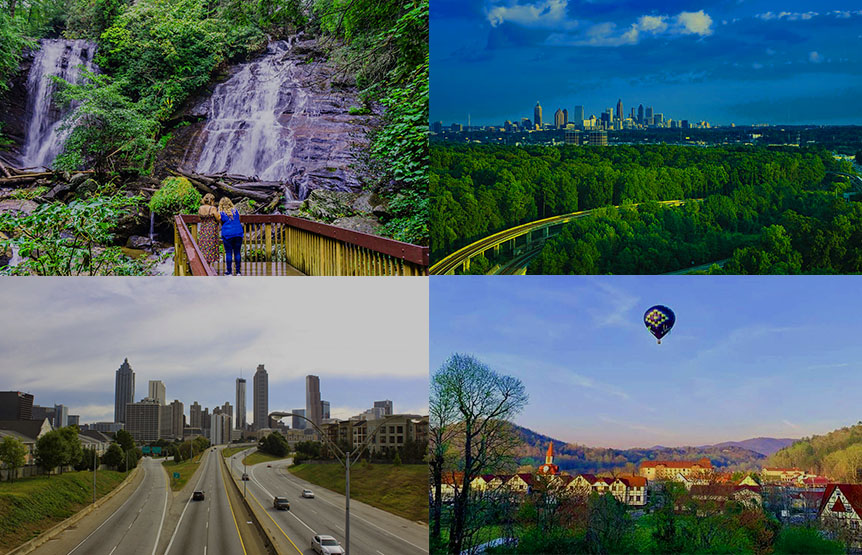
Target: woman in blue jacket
<point x="231" y="233"/>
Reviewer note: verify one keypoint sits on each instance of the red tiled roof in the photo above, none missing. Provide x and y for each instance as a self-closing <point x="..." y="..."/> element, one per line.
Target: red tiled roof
<point x="591" y="478"/>
<point x="526" y="477"/>
<point x="704" y="463"/>
<point x="816" y="480"/>
<point x="778" y="469"/>
<point x="633" y="481"/>
<point x="853" y="493"/>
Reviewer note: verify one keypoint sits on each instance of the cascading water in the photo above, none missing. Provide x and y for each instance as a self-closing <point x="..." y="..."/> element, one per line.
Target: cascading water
<point x="252" y="116"/>
<point x="62" y="58"/>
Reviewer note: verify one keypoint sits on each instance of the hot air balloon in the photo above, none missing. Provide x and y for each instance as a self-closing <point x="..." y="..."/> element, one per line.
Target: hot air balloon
<point x="659" y="320"/>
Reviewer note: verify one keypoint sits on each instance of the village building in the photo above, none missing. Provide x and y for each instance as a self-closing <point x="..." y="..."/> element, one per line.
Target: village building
<point x="670" y="470"/>
<point x="841" y="512"/>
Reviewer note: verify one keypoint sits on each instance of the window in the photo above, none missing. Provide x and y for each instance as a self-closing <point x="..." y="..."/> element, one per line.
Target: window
<point x="400" y="429"/>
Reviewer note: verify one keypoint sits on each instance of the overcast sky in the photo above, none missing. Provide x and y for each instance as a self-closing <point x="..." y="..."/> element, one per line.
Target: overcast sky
<point x="740" y="61"/>
<point x="749" y="356"/>
<point x="63" y="339"/>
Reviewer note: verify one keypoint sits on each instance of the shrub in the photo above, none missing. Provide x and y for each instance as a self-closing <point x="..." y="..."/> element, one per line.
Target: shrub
<point x="176" y="196"/>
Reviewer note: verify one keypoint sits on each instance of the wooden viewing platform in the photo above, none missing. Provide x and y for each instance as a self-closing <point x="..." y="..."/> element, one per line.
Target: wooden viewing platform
<point x="287" y="245"/>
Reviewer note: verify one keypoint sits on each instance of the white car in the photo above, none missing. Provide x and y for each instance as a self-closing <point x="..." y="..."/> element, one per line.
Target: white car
<point x="326" y="545"/>
<point x="308" y="493"/>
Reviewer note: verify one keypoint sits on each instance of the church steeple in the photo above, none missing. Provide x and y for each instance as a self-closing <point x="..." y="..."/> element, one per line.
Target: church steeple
<point x="549" y="458"/>
<point x="549" y="467"/>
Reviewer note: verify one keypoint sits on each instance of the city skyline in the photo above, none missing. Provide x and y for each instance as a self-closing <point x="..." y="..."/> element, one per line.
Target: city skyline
<point x="725" y="62"/>
<point x="70" y="337"/>
<point x="746" y="358"/>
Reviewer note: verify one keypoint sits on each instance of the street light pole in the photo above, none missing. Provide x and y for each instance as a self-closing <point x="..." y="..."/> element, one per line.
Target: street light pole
<point x="347" y="502"/>
<point x="95" y="465"/>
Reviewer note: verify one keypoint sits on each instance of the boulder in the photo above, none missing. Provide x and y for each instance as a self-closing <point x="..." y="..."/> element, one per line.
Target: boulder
<point x="60" y="192"/>
<point x="138" y="242"/>
<point x="329" y="205"/>
<point x="17" y="206"/>
<point x="362" y="224"/>
<point x="77" y="179"/>
<point x="87" y="187"/>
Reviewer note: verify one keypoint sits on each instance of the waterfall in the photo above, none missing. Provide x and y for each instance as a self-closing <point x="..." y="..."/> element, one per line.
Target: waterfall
<point x="251" y="120"/>
<point x="62" y="58"/>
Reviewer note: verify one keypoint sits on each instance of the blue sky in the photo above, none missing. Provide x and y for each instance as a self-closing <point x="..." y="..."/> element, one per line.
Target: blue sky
<point x="749" y="356"/>
<point x="63" y="339"/>
<point x="740" y="61"/>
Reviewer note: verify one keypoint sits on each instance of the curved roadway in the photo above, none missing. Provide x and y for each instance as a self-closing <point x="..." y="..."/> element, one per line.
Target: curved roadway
<point x="372" y="531"/>
<point x="456" y="259"/>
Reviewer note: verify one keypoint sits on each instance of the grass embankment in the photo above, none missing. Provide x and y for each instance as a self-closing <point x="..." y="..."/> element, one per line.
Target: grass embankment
<point x="259" y="457"/>
<point x="401" y="490"/>
<point x="185" y="468"/>
<point x="230" y="451"/>
<point x="30" y="506"/>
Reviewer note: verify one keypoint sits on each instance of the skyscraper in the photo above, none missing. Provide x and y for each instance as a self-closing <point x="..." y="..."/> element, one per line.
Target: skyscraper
<point x="240" y="404"/>
<point x="144" y="420"/>
<point x="298" y="423"/>
<point x="124" y="390"/>
<point x="648" y="114"/>
<point x="312" y="398"/>
<point x="537" y="114"/>
<point x="261" y="398"/>
<point x="385" y="405"/>
<point x="558" y="119"/>
<point x="579" y="115"/>
<point x="641" y="114"/>
<point x="157" y="392"/>
<point x="177" y="419"/>
<point x="565" y="117"/>
<point x="620" y="108"/>
<point x="61" y="416"/>
<point x="195" y="415"/>
<point x="324" y="410"/>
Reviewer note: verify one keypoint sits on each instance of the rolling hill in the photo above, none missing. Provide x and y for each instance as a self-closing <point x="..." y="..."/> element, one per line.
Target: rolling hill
<point x="574" y="458"/>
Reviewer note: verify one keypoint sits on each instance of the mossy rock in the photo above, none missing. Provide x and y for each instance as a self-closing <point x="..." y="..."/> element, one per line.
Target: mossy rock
<point x="176" y="196"/>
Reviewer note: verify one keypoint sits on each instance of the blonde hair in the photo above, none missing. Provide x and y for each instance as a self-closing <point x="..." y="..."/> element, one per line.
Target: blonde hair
<point x="209" y="199"/>
<point x="226" y="206"/>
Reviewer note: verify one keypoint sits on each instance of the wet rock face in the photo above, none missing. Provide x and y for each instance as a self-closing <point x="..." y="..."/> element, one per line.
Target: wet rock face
<point x="13" y="108"/>
<point x="279" y="118"/>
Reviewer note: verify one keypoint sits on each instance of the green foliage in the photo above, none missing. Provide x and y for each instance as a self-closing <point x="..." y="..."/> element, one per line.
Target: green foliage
<point x="796" y="539"/>
<point x="73" y="452"/>
<point x="13" y="40"/>
<point x="274" y="444"/>
<point x="160" y="51"/>
<point x="108" y="131"/>
<point x="90" y="18"/>
<point x="51" y="450"/>
<point x="125" y="440"/>
<point x="176" y="196"/>
<point x="113" y="457"/>
<point x="88" y="458"/>
<point x="29" y="194"/>
<point x="13" y="455"/>
<point x="837" y="454"/>
<point x="358" y="110"/>
<point x="60" y="239"/>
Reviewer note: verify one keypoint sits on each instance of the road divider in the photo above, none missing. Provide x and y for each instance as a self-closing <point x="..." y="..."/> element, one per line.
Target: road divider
<point x="271" y="541"/>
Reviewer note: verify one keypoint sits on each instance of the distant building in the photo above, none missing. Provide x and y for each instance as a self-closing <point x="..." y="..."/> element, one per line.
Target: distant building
<point x="61" y="416"/>
<point x="157" y="392"/>
<point x="124" y="390"/>
<point x="385" y="405"/>
<point x="578" y="116"/>
<point x="195" y="416"/>
<point x="16" y="405"/>
<point x="178" y="419"/>
<point x="296" y="422"/>
<point x="565" y="117"/>
<point x="107" y="427"/>
<point x="312" y="399"/>
<point x="220" y="428"/>
<point x="324" y="410"/>
<point x="559" y="120"/>
<point x="598" y="138"/>
<point x="437" y="127"/>
<point x="641" y="114"/>
<point x="777" y="474"/>
<point x="667" y="470"/>
<point x="74" y="420"/>
<point x="537" y="114"/>
<point x="240" y="404"/>
<point x="549" y="468"/>
<point x="143" y="420"/>
<point x="620" y="109"/>
<point x="573" y="137"/>
<point x="648" y="113"/>
<point x="261" y="398"/>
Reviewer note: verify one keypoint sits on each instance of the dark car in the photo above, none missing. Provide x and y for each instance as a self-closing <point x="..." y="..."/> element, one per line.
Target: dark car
<point x="198" y="496"/>
<point x="281" y="503"/>
<point x="244" y="476"/>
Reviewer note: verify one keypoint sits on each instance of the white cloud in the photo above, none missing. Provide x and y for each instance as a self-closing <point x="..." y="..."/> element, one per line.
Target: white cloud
<point x="814" y="57"/>
<point x="789" y="16"/>
<point x="655" y="24"/>
<point x="549" y="12"/>
<point x="694" y="23"/>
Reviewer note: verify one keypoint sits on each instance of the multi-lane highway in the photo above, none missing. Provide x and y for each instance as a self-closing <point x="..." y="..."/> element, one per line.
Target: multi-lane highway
<point x="372" y="531"/>
<point x="136" y="526"/>
<point x="207" y="527"/>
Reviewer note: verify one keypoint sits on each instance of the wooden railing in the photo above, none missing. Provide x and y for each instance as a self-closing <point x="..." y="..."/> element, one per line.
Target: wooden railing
<point x="313" y="248"/>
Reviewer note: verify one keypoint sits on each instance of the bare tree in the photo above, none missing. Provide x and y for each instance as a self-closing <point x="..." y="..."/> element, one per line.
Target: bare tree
<point x="484" y="402"/>
<point x="443" y="427"/>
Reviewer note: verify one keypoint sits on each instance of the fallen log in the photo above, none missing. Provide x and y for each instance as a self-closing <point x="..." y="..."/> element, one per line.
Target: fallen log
<point x="274" y="185"/>
<point x="194" y="181"/>
<point x="236" y="191"/>
<point x="18" y="180"/>
<point x="5" y="171"/>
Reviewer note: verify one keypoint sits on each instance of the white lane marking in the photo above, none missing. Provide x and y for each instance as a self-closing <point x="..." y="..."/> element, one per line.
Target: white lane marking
<point x="381" y="553"/>
<point x="205" y="550"/>
<point x="114" y="513"/>
<point x="289" y="512"/>
<point x="115" y="547"/>
<point x="164" y="512"/>
<point x="357" y="517"/>
<point x="180" y="521"/>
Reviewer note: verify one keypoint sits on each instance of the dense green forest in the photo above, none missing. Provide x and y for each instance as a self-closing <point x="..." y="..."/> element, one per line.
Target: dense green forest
<point x="837" y="454"/>
<point x="154" y="55"/>
<point x="741" y="192"/>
